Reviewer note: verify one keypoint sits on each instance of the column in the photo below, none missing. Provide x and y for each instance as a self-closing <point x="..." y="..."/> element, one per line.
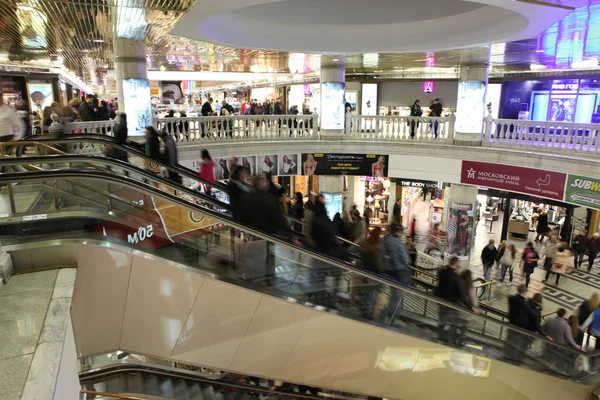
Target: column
<point x="470" y="105"/>
<point x="133" y="87"/>
<point x="333" y="84"/>
<point x="461" y="208"/>
<point x="356" y="194"/>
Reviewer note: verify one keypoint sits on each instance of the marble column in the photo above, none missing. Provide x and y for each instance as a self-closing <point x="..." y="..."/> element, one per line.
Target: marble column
<point x="333" y="83"/>
<point x="133" y="87"/>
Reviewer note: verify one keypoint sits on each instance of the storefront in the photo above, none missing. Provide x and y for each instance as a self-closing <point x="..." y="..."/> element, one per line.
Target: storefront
<point x="306" y="96"/>
<point x="420" y="200"/>
<point x="566" y="100"/>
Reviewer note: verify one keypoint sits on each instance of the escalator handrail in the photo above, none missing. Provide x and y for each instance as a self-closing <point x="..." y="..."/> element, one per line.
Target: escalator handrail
<point x="128" y="366"/>
<point x="152" y="191"/>
<point x="110" y="141"/>
<point x="72" y="158"/>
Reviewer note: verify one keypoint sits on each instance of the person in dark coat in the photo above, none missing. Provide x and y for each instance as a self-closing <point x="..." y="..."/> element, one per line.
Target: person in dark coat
<point x="120" y="134"/>
<point x="435" y="110"/>
<point x="170" y="156"/>
<point x="593" y="249"/>
<point x="520" y="314"/>
<point x="451" y="288"/>
<point x="488" y="259"/>
<point x="542" y="226"/>
<point x="580" y="246"/>
<point x="206" y="110"/>
<point x="415" y="111"/>
<point x="297" y="211"/>
<point x="86" y="108"/>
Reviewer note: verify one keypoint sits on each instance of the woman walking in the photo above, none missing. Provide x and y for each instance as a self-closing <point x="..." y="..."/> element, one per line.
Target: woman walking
<point x="530" y="260"/>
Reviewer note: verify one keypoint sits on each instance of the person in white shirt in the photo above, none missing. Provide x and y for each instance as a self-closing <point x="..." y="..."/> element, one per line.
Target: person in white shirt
<point x="10" y="123"/>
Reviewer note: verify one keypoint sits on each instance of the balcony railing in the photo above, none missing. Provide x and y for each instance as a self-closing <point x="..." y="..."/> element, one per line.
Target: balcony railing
<point x="545" y="136"/>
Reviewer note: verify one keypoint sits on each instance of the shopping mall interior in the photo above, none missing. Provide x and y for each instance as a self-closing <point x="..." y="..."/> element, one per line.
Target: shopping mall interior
<point x="318" y="199"/>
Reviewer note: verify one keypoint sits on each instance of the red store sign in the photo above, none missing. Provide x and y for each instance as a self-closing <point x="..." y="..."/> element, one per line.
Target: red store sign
<point x="531" y="181"/>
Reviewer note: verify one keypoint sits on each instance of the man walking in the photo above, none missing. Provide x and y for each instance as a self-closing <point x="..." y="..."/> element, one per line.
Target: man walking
<point x="397" y="261"/>
<point x="580" y="245"/>
<point x="488" y="259"/>
<point x="206" y="111"/>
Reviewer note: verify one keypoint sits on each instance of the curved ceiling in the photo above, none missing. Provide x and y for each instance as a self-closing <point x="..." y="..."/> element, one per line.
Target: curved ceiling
<point x="358" y="26"/>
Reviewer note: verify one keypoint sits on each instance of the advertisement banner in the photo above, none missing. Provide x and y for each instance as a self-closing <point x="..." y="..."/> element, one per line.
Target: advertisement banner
<point x="344" y="164"/>
<point x="333" y="203"/>
<point x="137" y="105"/>
<point x="531" y="181"/>
<point x="583" y="191"/>
<point x="460" y="230"/>
<point x="41" y="96"/>
<point x="332" y="105"/>
<point x="171" y="92"/>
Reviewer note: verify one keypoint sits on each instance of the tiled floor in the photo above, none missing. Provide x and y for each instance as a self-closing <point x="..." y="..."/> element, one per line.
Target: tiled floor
<point x="23" y="305"/>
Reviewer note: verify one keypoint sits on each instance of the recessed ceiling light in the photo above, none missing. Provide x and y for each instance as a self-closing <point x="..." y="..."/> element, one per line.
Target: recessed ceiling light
<point x="24" y="7"/>
<point x="98" y="41"/>
<point x="336" y="59"/>
<point x="539" y="51"/>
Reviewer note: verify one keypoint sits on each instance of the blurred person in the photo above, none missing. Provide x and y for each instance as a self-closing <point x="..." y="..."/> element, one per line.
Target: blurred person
<point x="412" y="250"/>
<point x="308" y="218"/>
<point x="576" y="332"/>
<point x="293" y="111"/>
<point x="86" y="109"/>
<point x="507" y="263"/>
<point x="297" y="211"/>
<point x="501" y="249"/>
<point x="396" y="211"/>
<point x="415" y="111"/>
<point x="11" y="126"/>
<point x="262" y="210"/>
<point x="593" y="322"/>
<point x="358" y="228"/>
<point x="237" y="189"/>
<point x="397" y="260"/>
<point x="542" y="226"/>
<point x="529" y="259"/>
<point x="488" y="259"/>
<point x="413" y="228"/>
<point x="520" y="314"/>
<point x="467" y="278"/>
<point x="25" y="116"/>
<point x="451" y="288"/>
<point x="559" y="330"/>
<point x="550" y="252"/>
<point x="593" y="248"/>
<point x="232" y="162"/>
<point x="278" y="110"/>
<point x="372" y="252"/>
<point x="207" y="170"/>
<point x="120" y="133"/>
<point x="368" y="214"/>
<point x="246" y="108"/>
<point x="338" y="224"/>
<point x="560" y="262"/>
<point x="580" y="246"/>
<point x="170" y="156"/>
<point x="535" y="321"/>
<point x="150" y="147"/>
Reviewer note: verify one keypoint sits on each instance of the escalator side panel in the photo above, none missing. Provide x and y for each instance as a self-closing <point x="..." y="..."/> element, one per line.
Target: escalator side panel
<point x="232" y="328"/>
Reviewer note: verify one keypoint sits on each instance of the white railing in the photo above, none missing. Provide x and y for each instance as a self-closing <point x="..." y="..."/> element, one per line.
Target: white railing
<point x="548" y="136"/>
<point x="92" y="127"/>
<point x="240" y="127"/>
<point x="439" y="129"/>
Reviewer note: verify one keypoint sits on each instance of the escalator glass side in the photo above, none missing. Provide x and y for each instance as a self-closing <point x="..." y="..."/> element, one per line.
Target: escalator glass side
<point x="177" y="230"/>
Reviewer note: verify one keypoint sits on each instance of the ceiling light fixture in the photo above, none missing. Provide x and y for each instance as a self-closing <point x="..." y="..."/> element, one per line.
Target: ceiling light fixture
<point x="98" y="41"/>
<point x="336" y="59"/>
<point x="25" y="8"/>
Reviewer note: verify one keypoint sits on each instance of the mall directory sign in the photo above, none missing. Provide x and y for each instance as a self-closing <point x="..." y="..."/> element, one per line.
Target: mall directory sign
<point x="344" y="164"/>
<point x="583" y="190"/>
<point x="535" y="182"/>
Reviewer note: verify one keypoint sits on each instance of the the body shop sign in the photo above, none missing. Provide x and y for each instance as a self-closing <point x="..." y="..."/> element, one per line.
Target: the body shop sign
<point x="583" y="191"/>
<point x="535" y="182"/>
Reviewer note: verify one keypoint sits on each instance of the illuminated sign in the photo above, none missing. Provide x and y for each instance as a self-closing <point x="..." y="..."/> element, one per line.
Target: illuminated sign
<point x="428" y="87"/>
<point x="565" y="86"/>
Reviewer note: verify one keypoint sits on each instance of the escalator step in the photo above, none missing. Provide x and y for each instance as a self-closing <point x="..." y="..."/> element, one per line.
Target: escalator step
<point x="165" y="387"/>
<point x="151" y="384"/>
<point x="194" y="391"/>
<point x="180" y="389"/>
<point x="135" y="383"/>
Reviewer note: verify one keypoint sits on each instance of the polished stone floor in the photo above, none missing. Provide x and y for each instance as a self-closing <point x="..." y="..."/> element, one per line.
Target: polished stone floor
<point x="24" y="302"/>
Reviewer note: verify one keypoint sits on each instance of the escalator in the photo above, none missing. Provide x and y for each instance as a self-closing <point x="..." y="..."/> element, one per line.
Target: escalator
<point x="298" y="300"/>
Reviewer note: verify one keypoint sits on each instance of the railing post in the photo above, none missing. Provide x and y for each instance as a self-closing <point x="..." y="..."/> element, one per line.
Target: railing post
<point x="487" y="130"/>
<point x="348" y="125"/>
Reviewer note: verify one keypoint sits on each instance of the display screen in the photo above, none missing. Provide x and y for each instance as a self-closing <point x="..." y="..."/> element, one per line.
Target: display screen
<point x="332" y="105"/>
<point x="136" y="93"/>
<point x="41" y="96"/>
<point x="470" y="107"/>
<point x="369" y="99"/>
<point x="333" y="203"/>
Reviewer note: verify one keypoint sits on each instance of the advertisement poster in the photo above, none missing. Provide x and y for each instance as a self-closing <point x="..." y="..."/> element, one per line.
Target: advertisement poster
<point x="41" y="96"/>
<point x="471" y="95"/>
<point x="171" y="92"/>
<point x="459" y="230"/>
<point x="344" y="164"/>
<point x="137" y="105"/>
<point x="562" y="108"/>
<point x="583" y="191"/>
<point x="267" y="164"/>
<point x="532" y="181"/>
<point x="332" y="105"/>
<point x="288" y="164"/>
<point x="351" y="99"/>
<point x="369" y="99"/>
<point x="333" y="203"/>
